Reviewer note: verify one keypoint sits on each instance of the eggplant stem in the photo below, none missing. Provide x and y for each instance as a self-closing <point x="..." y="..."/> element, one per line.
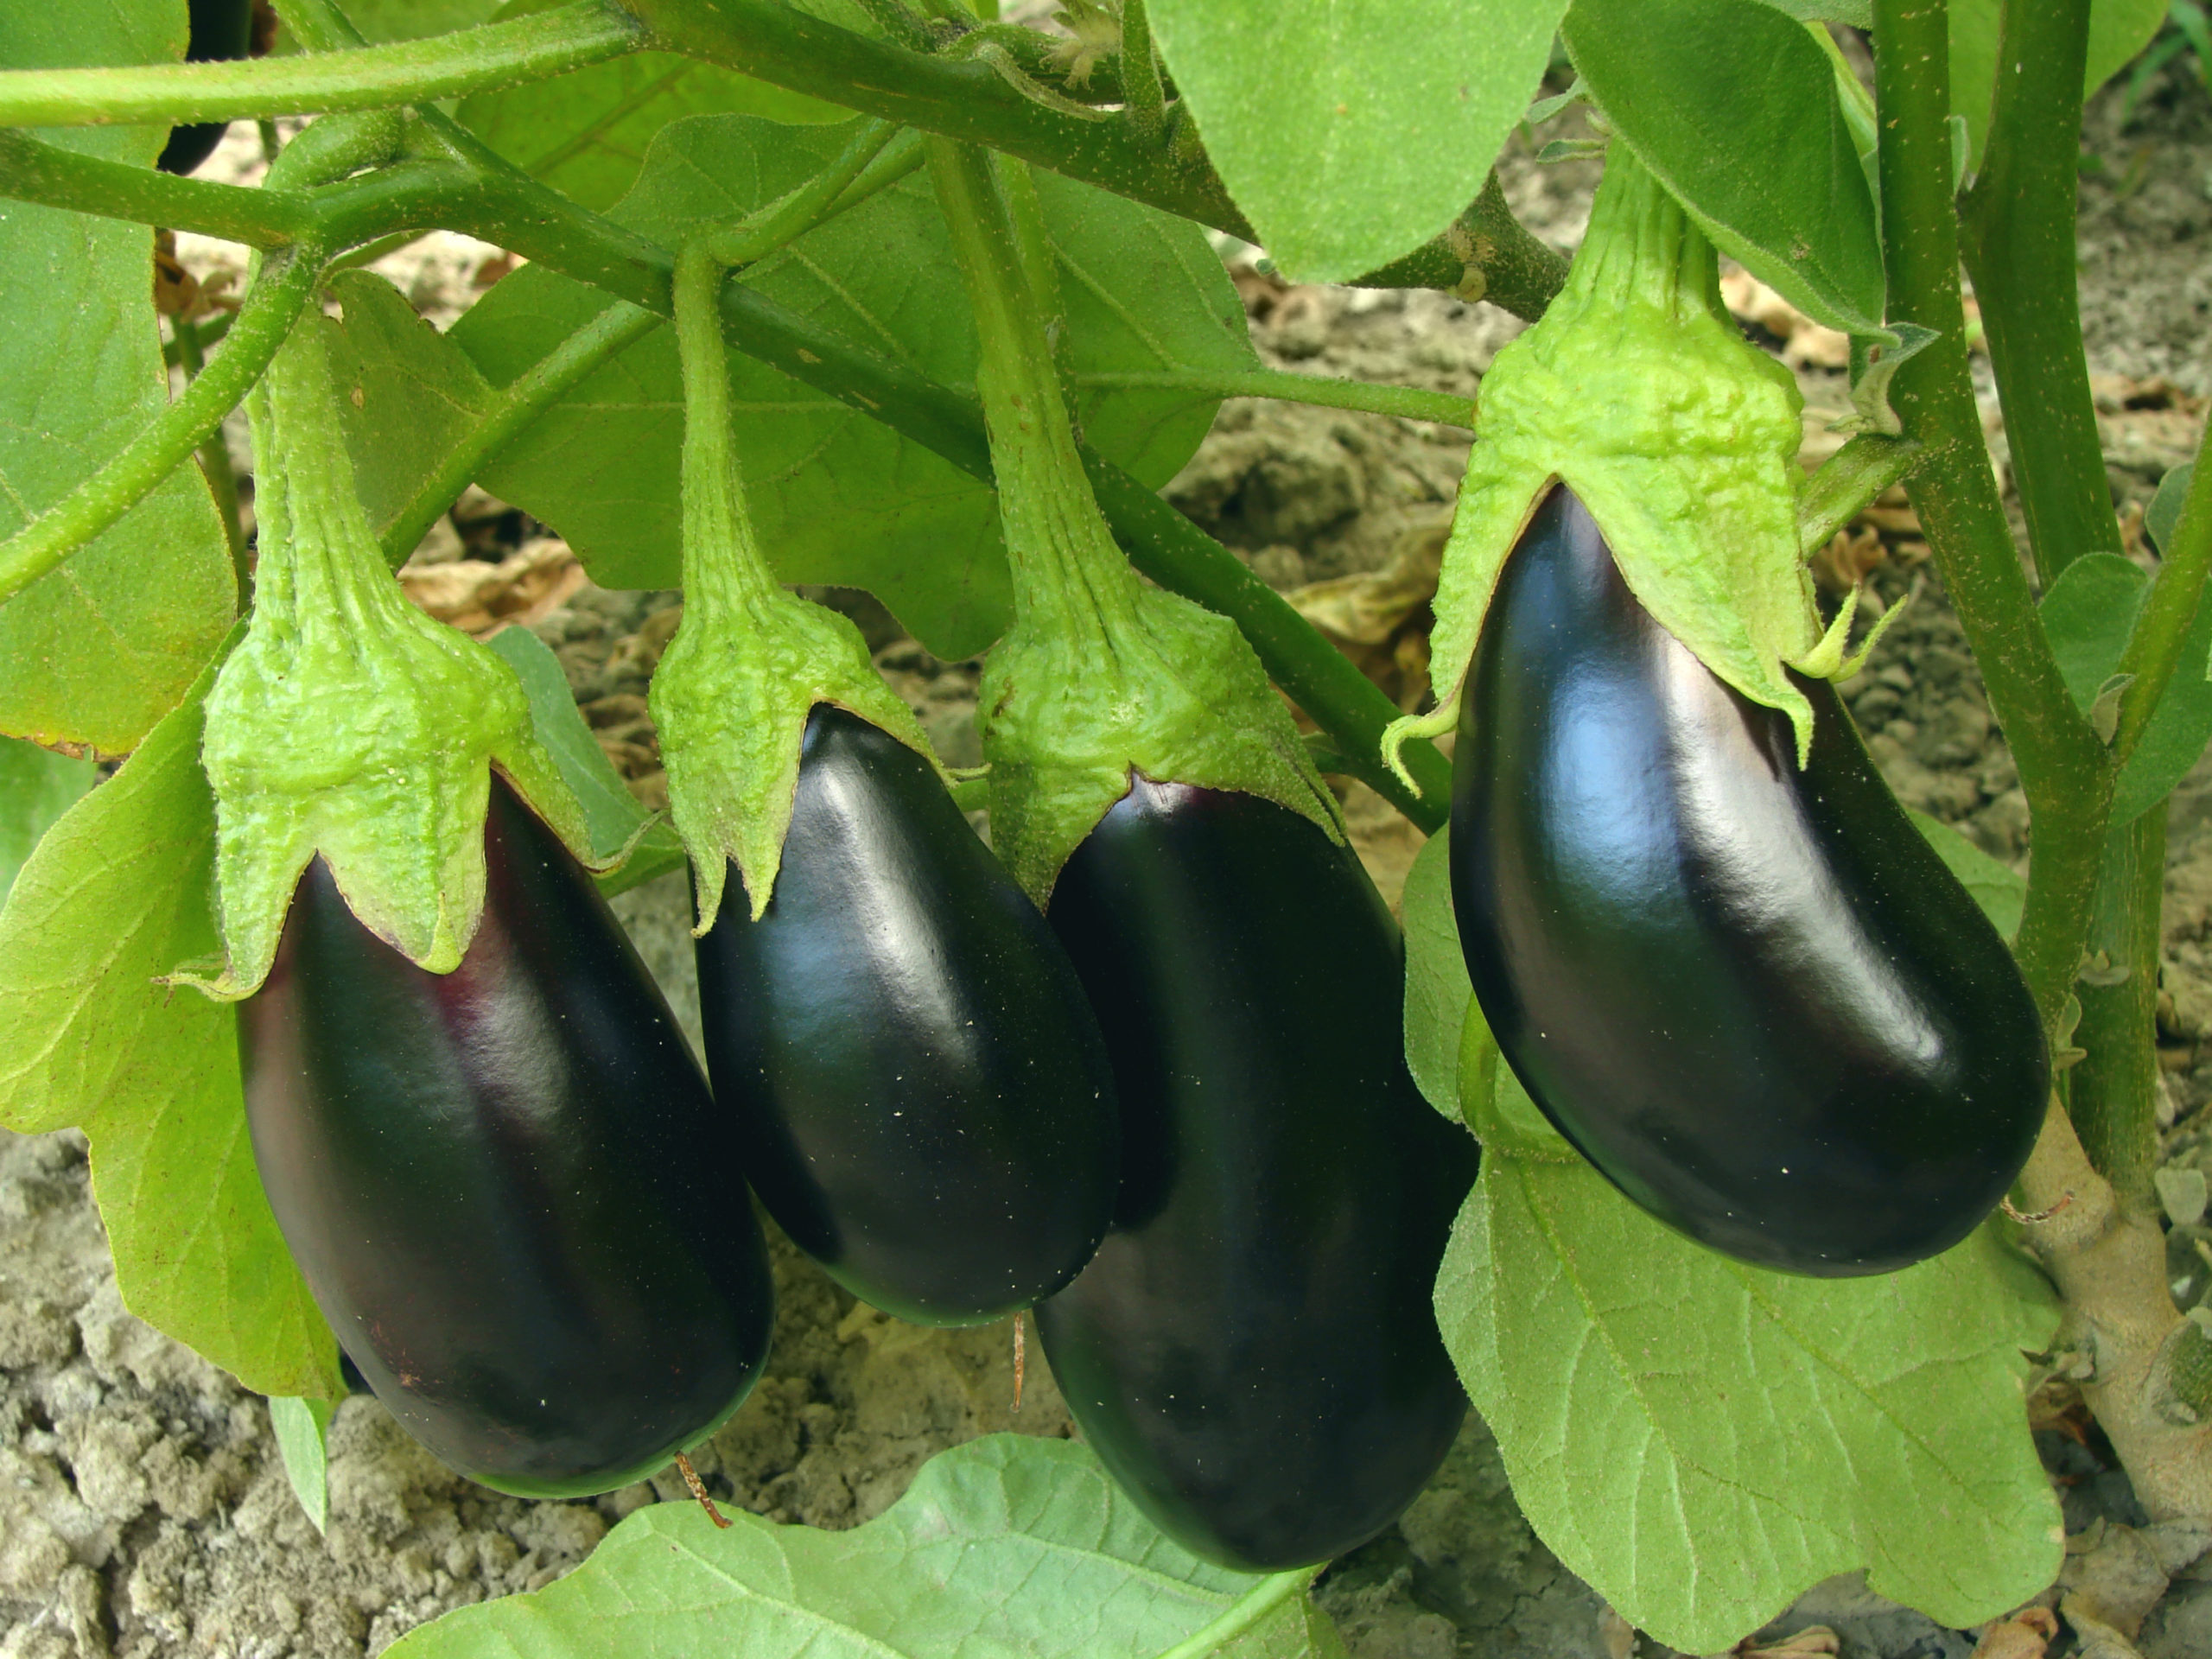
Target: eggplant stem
<point x="699" y="1491"/>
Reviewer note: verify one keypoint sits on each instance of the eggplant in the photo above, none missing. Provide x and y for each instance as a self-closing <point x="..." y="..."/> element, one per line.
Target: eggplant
<point x="508" y="1187"/>
<point x="220" y="30"/>
<point x="1253" y="1353"/>
<point x="1751" y="995"/>
<point x="921" y="1098"/>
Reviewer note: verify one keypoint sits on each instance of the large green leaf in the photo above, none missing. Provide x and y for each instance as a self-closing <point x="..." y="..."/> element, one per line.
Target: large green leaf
<point x="2088" y="614"/>
<point x="836" y="496"/>
<point x="116" y="895"/>
<point x="2117" y="30"/>
<point x="1701" y="1440"/>
<point x="1437" y="986"/>
<point x="36" y="787"/>
<point x="2000" y="891"/>
<point x="1734" y="108"/>
<point x="1008" y="1547"/>
<point x="586" y="133"/>
<point x="1351" y="131"/>
<point x="96" y="651"/>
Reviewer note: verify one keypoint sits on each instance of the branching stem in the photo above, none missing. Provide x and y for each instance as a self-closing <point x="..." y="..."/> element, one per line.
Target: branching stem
<point x="1409" y="403"/>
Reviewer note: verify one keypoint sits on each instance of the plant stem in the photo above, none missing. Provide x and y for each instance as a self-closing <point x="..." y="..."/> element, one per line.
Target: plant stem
<point x="33" y="171"/>
<point x="2020" y="246"/>
<point x="1241" y="1615"/>
<point x="520" y="402"/>
<point x="533" y="47"/>
<point x="799" y="211"/>
<point x="965" y="99"/>
<point x="489" y="199"/>
<point x="1146" y="98"/>
<point x="2064" y="770"/>
<point x="1066" y="567"/>
<point x="2153" y="654"/>
<point x="1409" y="403"/>
<point x="723" y="569"/>
<point x="2113" y="1093"/>
<point x="215" y="461"/>
<point x="287" y="278"/>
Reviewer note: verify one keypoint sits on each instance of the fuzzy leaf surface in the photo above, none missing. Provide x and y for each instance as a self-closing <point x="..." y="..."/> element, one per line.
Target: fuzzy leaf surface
<point x="586" y="133"/>
<point x="835" y="496"/>
<point x="115" y="895"/>
<point x="2088" y="614"/>
<point x="1351" y="131"/>
<point x="1734" y="108"/>
<point x="1437" y="986"/>
<point x="36" y="787"/>
<point x="95" y="651"/>
<point x="1702" y="1441"/>
<point x="1008" y="1547"/>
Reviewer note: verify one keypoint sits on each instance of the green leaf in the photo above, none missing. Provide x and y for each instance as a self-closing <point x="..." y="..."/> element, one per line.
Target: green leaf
<point x="409" y="396"/>
<point x="586" y="133"/>
<point x="837" y="497"/>
<point x="2001" y="891"/>
<point x="2117" y="30"/>
<point x="409" y="20"/>
<point x="1734" y="108"/>
<point x="2164" y="515"/>
<point x="96" y="651"/>
<point x="1701" y="1440"/>
<point x="1857" y="14"/>
<point x="1007" y="1547"/>
<point x="2087" y="614"/>
<point x="300" y="1427"/>
<point x="117" y="894"/>
<point x="1438" y="992"/>
<point x="1351" y="131"/>
<point x="37" y="786"/>
<point x="612" y="814"/>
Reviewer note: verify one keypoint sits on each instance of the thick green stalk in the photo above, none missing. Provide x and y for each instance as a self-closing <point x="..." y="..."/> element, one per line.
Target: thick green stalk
<point x="1241" y="1615"/>
<point x="1140" y="86"/>
<point x="32" y="171"/>
<point x="2064" y="769"/>
<point x="161" y="445"/>
<point x="720" y="553"/>
<point x="2114" y="1091"/>
<point x="803" y="209"/>
<point x="533" y="47"/>
<point x="2019" y="244"/>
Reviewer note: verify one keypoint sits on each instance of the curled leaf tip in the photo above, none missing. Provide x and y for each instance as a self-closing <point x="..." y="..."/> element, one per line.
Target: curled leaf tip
<point x="1431" y="725"/>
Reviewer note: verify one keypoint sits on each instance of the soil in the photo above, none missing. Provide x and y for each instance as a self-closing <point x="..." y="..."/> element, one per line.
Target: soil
<point x="143" y="1510"/>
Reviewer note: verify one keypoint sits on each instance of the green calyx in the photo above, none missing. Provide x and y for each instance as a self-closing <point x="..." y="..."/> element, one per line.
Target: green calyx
<point x="1101" y="679"/>
<point x="348" y="723"/>
<point x="1636" y="392"/>
<point x="750" y="660"/>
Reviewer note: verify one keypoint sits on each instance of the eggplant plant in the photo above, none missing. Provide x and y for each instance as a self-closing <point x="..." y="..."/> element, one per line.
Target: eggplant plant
<point x="1764" y="1176"/>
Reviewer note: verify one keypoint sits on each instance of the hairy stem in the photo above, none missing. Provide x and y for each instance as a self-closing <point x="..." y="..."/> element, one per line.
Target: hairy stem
<point x="520" y="402"/>
<point x="533" y="47"/>
<point x="287" y="278"/>
<point x="2020" y="246"/>
<point x="215" y="460"/>
<point x="1147" y="99"/>
<point x="2064" y="769"/>
<point x="1409" y="403"/>
<point x="2113" y="1092"/>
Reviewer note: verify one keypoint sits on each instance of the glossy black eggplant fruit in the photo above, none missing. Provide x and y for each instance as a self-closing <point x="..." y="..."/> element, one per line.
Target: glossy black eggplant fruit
<point x="1751" y="995"/>
<point x="1253" y="1353"/>
<point x="221" y="31"/>
<point x="925" y="1102"/>
<point x="507" y="1187"/>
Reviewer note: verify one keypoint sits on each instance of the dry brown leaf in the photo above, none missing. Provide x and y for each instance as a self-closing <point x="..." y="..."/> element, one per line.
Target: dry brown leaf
<point x="479" y="597"/>
<point x="2023" y="1635"/>
<point x="1380" y="619"/>
<point x="1814" y="1642"/>
<point x="1804" y="342"/>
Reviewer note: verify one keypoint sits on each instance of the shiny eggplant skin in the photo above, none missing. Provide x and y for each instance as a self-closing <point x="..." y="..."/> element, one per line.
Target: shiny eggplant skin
<point x="1751" y="995"/>
<point x="924" y="1100"/>
<point x="221" y="31"/>
<point x="507" y="1187"/>
<point x="1253" y="1353"/>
